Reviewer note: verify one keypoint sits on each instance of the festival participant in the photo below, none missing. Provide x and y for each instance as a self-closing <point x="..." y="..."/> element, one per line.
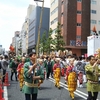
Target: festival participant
<point x="32" y="75"/>
<point x="92" y="73"/>
<point x="40" y="67"/>
<point x="71" y="78"/>
<point x="57" y="72"/>
<point x="13" y="65"/>
<point x="20" y="72"/>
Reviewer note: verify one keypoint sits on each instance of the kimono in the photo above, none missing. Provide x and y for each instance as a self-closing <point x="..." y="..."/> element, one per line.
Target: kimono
<point x="20" y="71"/>
<point x="57" y="74"/>
<point x="71" y="80"/>
<point x="30" y="86"/>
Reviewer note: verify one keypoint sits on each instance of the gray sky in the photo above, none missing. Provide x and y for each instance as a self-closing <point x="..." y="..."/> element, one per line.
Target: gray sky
<point x="12" y="16"/>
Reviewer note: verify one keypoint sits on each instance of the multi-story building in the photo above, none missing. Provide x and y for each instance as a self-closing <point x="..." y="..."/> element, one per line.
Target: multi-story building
<point x="95" y="16"/>
<point x="53" y="15"/>
<point x="74" y="16"/>
<point x="16" y="39"/>
<point x="34" y="21"/>
<point x="29" y="11"/>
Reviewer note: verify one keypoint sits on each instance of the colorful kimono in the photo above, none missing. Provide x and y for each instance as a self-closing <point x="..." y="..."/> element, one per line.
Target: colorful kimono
<point x="57" y="74"/>
<point x="71" y="80"/>
<point x="20" y="71"/>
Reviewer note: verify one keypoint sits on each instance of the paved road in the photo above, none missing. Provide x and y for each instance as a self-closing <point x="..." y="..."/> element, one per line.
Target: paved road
<point x="47" y="92"/>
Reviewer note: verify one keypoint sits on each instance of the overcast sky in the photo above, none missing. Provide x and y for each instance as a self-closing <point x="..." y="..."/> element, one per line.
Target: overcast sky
<point x="12" y="16"/>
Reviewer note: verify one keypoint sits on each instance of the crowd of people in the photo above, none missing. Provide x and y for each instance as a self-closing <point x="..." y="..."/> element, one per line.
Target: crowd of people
<point x="31" y="71"/>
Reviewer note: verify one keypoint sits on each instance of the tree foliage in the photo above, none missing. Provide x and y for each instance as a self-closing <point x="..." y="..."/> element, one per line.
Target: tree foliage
<point x="59" y="42"/>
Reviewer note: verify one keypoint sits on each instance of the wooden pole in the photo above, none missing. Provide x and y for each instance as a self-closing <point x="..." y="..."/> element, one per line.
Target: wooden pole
<point x="40" y="24"/>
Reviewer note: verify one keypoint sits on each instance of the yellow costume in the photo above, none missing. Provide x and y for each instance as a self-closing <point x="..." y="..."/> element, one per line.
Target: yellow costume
<point x="57" y="77"/>
<point x="72" y="83"/>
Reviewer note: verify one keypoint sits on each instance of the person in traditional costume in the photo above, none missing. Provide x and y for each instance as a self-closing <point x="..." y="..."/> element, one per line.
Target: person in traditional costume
<point x="71" y="78"/>
<point x="92" y="73"/>
<point x="57" y="72"/>
<point x="32" y="75"/>
<point x="20" y="71"/>
<point x="40" y="66"/>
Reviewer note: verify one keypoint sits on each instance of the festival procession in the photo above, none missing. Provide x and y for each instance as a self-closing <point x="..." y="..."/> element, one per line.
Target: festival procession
<point x="54" y="51"/>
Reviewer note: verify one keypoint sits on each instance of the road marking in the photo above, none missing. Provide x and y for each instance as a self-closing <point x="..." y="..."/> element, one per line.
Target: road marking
<point x="67" y="89"/>
<point x="76" y="89"/>
<point x="79" y="93"/>
<point x="5" y="93"/>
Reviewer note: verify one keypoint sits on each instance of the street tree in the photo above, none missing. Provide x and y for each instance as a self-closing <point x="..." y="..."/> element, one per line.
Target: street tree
<point x="50" y="42"/>
<point x="59" y="41"/>
<point x="42" y="45"/>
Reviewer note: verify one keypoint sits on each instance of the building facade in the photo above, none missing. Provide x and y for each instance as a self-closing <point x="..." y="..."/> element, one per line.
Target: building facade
<point x="74" y="16"/>
<point x="34" y="21"/>
<point x="53" y="15"/>
<point x="95" y="16"/>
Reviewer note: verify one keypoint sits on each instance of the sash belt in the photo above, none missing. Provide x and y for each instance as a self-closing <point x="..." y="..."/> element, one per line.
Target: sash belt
<point x="31" y="84"/>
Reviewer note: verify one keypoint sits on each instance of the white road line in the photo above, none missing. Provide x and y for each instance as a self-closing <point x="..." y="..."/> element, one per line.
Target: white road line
<point x="79" y="93"/>
<point x="67" y="86"/>
<point x="74" y="92"/>
<point x="5" y="93"/>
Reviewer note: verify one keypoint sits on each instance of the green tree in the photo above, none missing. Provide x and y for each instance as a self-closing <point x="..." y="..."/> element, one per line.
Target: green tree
<point x="50" y="42"/>
<point x="42" y="45"/>
<point x="59" y="41"/>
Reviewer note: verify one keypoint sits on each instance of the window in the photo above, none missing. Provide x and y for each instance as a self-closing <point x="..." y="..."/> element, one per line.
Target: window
<point x="93" y="2"/>
<point x="72" y="43"/>
<point x="78" y="24"/>
<point x="78" y="37"/>
<point x="99" y="22"/>
<point x="62" y="14"/>
<point x="79" y="0"/>
<point x="93" y="11"/>
<point x="62" y="26"/>
<point x="54" y="2"/>
<point x="79" y="12"/>
<point x="54" y="11"/>
<point x="62" y="2"/>
<point x="93" y="21"/>
<point x="99" y="32"/>
<point x="54" y="31"/>
<point x="55" y="20"/>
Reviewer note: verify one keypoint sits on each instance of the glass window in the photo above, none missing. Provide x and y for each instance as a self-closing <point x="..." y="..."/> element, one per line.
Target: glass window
<point x="99" y="22"/>
<point x="78" y="24"/>
<point x="62" y="14"/>
<point x="79" y="0"/>
<point x="93" y="2"/>
<point x="99" y="32"/>
<point x="93" y="11"/>
<point x="79" y="12"/>
<point x="72" y="43"/>
<point x="93" y="21"/>
<point x="78" y="37"/>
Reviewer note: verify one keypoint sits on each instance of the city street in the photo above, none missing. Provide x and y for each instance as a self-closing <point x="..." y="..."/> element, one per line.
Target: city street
<point x="47" y="92"/>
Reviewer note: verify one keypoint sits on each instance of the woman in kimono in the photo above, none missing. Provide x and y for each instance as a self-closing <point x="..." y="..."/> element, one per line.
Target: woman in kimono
<point x="32" y="75"/>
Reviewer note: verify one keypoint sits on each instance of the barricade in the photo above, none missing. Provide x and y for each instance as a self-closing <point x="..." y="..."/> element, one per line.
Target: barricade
<point x="6" y="83"/>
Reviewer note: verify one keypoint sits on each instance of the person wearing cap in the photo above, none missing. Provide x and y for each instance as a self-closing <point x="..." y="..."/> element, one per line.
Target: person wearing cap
<point x="57" y="71"/>
<point x="32" y="75"/>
